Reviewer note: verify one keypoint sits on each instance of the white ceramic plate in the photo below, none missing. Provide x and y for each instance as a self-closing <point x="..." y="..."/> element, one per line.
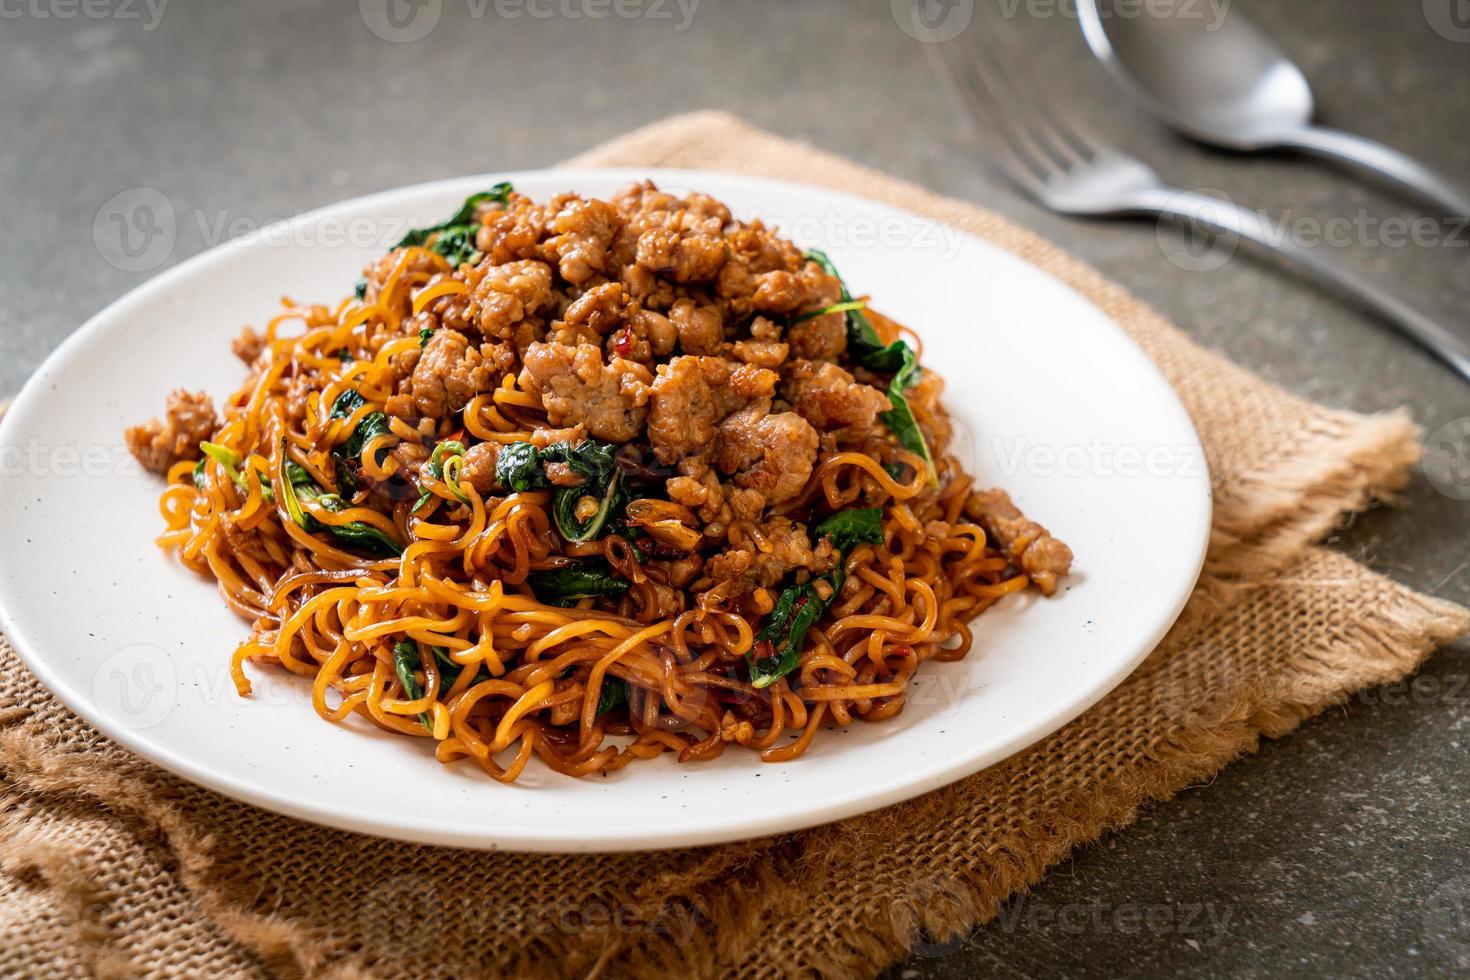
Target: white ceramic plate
<point x="1056" y="405"/>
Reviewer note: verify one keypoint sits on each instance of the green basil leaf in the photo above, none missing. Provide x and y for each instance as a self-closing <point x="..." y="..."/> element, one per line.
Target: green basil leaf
<point x="346" y="455"/>
<point x="454" y="238"/>
<point x="897" y="359"/>
<point x="357" y="534"/>
<point x="849" y="528"/>
<point x="797" y="610"/>
<point x="521" y="467"/>
<point x="565" y="585"/>
<point x="518" y="468"/>
<point x="614" y="694"/>
<point x="900" y="417"/>
<point x="406" y="659"/>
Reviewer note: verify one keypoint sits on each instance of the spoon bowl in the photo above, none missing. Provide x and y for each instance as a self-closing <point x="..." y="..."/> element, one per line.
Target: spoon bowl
<point x="1225" y="83"/>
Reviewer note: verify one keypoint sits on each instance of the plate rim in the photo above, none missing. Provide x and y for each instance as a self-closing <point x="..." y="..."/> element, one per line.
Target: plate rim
<point x="526" y="837"/>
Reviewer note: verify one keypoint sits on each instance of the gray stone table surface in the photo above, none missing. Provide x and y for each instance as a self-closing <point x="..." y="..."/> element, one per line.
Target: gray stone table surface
<point x="1338" y="850"/>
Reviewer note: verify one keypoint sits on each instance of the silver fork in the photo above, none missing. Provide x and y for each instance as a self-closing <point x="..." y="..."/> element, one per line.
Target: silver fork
<point x="1069" y="170"/>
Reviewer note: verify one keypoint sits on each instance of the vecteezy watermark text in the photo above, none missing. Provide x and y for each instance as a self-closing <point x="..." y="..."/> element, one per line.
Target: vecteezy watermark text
<point x="405" y="21"/>
<point x="1096" y="458"/>
<point x="1199" y="244"/>
<point x="138" y="229"/>
<point x="148" y="12"/>
<point x="936" y="21"/>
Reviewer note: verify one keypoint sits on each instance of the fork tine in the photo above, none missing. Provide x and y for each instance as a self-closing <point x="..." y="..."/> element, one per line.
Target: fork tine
<point x="972" y="98"/>
<point x="1046" y="124"/>
<point x="1064" y="130"/>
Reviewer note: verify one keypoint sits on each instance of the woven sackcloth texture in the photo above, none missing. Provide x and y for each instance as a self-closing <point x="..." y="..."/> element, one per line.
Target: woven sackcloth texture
<point x="110" y="866"/>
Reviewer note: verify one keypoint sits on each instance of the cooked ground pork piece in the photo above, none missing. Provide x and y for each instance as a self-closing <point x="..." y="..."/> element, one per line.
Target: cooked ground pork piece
<point x="509" y="293"/>
<point x="600" y="309"/>
<point x="761" y="353"/>
<point x="829" y="398"/>
<point x="189" y="419"/>
<point x="1028" y="544"/>
<point x="451" y="371"/>
<point x="248" y="345"/>
<point x="692" y="395"/>
<point x="700" y="491"/>
<point x="701" y="331"/>
<point x="820" y="338"/>
<point x="576" y="388"/>
<point x="772" y="454"/>
<point x="479" y="466"/>
<point x="514" y="233"/>
<point x="646" y="335"/>
<point x="783" y="547"/>
<point x="686" y="257"/>
<point x="409" y="456"/>
<point x="583" y="230"/>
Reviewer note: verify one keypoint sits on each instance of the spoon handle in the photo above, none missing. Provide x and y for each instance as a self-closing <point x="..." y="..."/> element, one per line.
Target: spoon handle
<point x="1453" y="347"/>
<point x="1387" y="162"/>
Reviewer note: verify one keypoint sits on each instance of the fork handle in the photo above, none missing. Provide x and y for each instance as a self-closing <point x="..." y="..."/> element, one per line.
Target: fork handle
<point x="1385" y="161"/>
<point x="1225" y="216"/>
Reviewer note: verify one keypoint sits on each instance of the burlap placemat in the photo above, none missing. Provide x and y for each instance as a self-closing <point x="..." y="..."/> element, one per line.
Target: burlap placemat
<point x="110" y="865"/>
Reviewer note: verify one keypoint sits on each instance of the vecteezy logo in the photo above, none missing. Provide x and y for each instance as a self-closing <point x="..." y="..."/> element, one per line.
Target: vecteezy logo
<point x="136" y="686"/>
<point x="1447" y="459"/>
<point x="932" y="21"/>
<point x="400" y="21"/>
<point x="401" y="912"/>
<point x="1449" y="18"/>
<point x="1194" y="244"/>
<point x="134" y="229"/>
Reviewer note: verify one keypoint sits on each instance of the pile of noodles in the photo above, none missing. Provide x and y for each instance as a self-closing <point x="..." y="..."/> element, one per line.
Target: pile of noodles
<point x="333" y="616"/>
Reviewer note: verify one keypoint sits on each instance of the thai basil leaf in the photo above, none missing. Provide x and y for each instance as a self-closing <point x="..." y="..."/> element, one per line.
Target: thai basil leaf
<point x="900" y="417"/>
<point x="860" y="332"/>
<point x="596" y="463"/>
<point x="520" y="467"/>
<point x="454" y="238"/>
<point x="448" y="668"/>
<point x="564" y="586"/>
<point x="897" y="359"/>
<point x="346" y="463"/>
<point x="614" y="694"/>
<point x="887" y="360"/>
<point x="800" y="606"/>
<point x="797" y="610"/>
<point x="405" y="661"/>
<point x="849" y="528"/>
<point x="358" y="534"/>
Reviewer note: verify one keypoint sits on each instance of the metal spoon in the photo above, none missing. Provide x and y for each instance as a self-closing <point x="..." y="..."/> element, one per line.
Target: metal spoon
<point x="1225" y="83"/>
